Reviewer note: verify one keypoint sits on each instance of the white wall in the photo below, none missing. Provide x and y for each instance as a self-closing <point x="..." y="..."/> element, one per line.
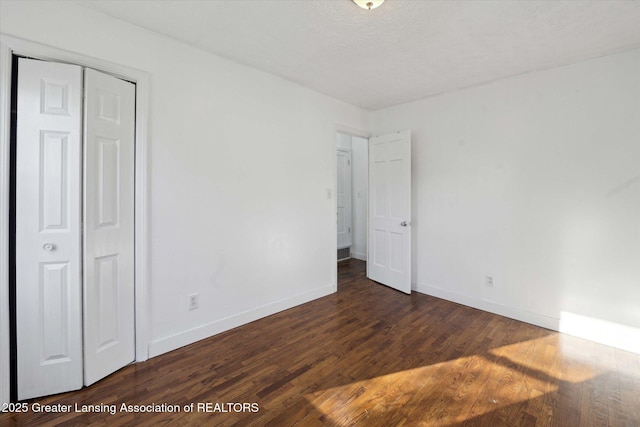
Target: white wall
<point x="534" y="180"/>
<point x="240" y="166"/>
<point x="360" y="184"/>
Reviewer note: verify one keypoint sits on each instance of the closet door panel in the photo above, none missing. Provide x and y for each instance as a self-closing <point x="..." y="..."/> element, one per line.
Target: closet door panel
<point x="109" y="225"/>
<point x="48" y="225"/>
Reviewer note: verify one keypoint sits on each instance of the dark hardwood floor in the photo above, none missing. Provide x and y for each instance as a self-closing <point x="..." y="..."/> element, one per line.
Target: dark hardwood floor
<point x="370" y="356"/>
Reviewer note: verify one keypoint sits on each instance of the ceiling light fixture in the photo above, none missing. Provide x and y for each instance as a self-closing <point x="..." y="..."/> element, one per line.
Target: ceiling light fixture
<point x="368" y="4"/>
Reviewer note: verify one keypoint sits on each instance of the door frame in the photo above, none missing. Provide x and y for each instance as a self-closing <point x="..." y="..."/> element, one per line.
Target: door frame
<point x="11" y="45"/>
<point x="334" y="177"/>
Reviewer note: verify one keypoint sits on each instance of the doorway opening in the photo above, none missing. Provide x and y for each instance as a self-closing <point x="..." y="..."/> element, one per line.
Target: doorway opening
<point x="352" y="195"/>
<point x="352" y="190"/>
<point x="382" y="227"/>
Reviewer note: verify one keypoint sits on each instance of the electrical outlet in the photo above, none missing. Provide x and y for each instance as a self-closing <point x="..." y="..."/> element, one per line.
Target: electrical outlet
<point x="193" y="301"/>
<point x="489" y="281"/>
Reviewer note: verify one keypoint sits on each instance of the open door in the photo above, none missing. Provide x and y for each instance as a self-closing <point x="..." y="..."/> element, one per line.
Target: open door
<point x="389" y="255"/>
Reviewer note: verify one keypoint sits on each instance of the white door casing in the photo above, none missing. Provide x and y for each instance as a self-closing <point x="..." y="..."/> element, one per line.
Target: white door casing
<point x="109" y="334"/>
<point x="389" y="256"/>
<point x="12" y="45"/>
<point x="48" y="271"/>
<point x="343" y="198"/>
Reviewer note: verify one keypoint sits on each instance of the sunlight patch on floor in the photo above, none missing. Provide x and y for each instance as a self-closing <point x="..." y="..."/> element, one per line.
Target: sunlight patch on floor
<point x="554" y="355"/>
<point x="449" y="392"/>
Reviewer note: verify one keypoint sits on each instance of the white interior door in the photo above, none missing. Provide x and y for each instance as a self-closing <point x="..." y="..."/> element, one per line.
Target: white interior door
<point x="389" y="257"/>
<point x="109" y="333"/>
<point x="48" y="278"/>
<point x="343" y="198"/>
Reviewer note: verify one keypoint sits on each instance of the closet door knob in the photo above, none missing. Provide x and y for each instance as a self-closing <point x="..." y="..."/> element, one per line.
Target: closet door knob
<point x="403" y="223"/>
<point x="49" y="247"/>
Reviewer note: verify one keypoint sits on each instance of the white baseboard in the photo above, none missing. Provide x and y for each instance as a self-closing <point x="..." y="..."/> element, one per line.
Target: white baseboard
<point x="597" y="330"/>
<point x="491" y="307"/>
<point x="166" y="344"/>
<point x="358" y="255"/>
<point x="601" y="331"/>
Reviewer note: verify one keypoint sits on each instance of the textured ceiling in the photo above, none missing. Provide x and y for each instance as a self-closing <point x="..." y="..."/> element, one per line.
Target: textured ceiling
<point x="404" y="50"/>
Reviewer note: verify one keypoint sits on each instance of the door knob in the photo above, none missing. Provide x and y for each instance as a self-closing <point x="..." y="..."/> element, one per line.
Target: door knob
<point x="403" y="223"/>
<point x="49" y="247"/>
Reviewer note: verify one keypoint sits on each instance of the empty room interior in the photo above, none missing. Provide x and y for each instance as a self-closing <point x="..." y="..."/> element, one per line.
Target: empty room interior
<point x="318" y="212"/>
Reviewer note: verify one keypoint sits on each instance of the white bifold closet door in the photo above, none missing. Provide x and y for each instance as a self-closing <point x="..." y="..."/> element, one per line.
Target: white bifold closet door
<point x="109" y="333"/>
<point x="74" y="227"/>
<point x="48" y="223"/>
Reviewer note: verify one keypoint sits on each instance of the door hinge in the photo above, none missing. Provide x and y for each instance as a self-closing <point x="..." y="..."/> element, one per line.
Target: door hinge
<point x="348" y="162"/>
<point x="349" y="228"/>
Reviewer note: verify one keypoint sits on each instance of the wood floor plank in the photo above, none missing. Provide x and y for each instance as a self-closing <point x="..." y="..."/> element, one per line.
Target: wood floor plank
<point x="371" y="356"/>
